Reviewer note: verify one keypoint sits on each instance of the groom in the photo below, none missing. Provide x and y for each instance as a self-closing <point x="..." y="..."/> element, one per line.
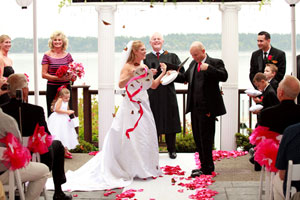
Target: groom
<point x="30" y="116"/>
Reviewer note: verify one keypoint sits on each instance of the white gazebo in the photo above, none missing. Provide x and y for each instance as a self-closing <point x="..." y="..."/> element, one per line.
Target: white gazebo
<point x="106" y="42"/>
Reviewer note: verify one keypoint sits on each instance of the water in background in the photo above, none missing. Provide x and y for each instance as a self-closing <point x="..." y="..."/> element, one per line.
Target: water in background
<point x="23" y="63"/>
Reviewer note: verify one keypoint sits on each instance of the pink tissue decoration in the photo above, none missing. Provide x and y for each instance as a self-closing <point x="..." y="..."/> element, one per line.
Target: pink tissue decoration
<point x="15" y="156"/>
<point x="39" y="141"/>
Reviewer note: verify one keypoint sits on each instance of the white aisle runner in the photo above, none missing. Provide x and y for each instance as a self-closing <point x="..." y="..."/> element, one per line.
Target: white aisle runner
<point x="162" y="188"/>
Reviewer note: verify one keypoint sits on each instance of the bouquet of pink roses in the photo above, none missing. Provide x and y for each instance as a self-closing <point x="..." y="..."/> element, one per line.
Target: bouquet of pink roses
<point x="76" y="69"/>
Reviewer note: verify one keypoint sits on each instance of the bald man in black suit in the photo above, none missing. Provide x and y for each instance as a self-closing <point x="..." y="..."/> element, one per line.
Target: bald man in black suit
<point x="204" y="101"/>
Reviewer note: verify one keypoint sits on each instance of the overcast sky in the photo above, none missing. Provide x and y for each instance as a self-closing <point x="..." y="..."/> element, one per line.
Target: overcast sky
<point x="142" y="20"/>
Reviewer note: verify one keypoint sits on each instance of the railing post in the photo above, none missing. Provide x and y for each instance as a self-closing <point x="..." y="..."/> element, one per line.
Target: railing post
<point x="75" y="99"/>
<point x="74" y="94"/>
<point x="183" y="113"/>
<point x="87" y="114"/>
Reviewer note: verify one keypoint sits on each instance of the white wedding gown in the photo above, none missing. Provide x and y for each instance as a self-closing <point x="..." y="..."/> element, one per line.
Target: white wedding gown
<point x="122" y="159"/>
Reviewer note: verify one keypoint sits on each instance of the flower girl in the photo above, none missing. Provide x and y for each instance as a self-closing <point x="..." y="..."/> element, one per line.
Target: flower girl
<point x="59" y="122"/>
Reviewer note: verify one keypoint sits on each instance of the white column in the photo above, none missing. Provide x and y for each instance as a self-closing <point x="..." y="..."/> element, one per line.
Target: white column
<point x="106" y="50"/>
<point x="230" y="55"/>
<point x="35" y="54"/>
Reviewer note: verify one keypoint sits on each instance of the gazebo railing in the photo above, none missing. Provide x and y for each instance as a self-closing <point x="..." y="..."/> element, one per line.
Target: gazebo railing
<point x="87" y="108"/>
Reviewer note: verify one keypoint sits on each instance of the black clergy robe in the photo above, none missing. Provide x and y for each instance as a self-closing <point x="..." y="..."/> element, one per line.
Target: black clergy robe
<point x="163" y="101"/>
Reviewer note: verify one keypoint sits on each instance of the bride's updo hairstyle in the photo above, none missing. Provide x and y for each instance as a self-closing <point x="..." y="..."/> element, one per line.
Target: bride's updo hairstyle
<point x="135" y="46"/>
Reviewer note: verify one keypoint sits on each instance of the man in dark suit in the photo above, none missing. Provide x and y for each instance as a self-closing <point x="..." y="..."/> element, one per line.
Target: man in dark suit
<point x="30" y="116"/>
<point x="204" y="101"/>
<point x="163" y="100"/>
<point x="267" y="54"/>
<point x="279" y="117"/>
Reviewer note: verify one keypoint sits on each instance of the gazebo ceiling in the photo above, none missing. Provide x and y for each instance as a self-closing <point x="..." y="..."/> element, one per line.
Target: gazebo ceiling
<point x="157" y="1"/>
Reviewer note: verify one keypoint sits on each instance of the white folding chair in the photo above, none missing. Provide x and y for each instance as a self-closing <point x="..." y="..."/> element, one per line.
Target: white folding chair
<point x="293" y="175"/>
<point x="14" y="181"/>
<point x="34" y="158"/>
<point x="268" y="184"/>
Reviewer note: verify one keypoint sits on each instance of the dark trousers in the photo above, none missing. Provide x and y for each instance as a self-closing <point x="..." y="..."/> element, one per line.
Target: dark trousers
<point x="51" y="93"/>
<point x="204" y="135"/>
<point x="55" y="160"/>
<point x="170" y="141"/>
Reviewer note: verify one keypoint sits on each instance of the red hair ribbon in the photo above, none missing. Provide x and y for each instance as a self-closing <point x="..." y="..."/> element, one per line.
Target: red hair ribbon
<point x="59" y="89"/>
<point x="130" y="96"/>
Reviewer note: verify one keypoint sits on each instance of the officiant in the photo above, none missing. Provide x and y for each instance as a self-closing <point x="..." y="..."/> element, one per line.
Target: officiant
<point x="163" y="100"/>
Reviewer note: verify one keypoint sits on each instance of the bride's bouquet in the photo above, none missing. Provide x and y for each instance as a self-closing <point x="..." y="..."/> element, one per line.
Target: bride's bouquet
<point x="74" y="69"/>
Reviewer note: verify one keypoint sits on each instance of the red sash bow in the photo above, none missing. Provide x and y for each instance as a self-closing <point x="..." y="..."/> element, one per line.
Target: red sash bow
<point x="130" y="96"/>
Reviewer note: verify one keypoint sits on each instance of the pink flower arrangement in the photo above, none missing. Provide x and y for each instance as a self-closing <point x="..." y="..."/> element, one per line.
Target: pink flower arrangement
<point x="266" y="153"/>
<point x="260" y="133"/>
<point x="267" y="144"/>
<point x="76" y="69"/>
<point x="16" y="156"/>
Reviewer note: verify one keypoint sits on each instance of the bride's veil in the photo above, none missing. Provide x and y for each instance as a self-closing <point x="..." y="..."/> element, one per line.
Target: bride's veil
<point x="126" y="52"/>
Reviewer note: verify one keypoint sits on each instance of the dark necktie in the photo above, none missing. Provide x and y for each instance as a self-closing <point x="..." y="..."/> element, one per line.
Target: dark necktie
<point x="199" y="66"/>
<point x="157" y="54"/>
<point x="265" y="57"/>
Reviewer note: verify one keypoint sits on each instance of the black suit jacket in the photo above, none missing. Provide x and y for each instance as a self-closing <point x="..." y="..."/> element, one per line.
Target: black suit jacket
<point x="257" y="64"/>
<point x="269" y="97"/>
<point x="31" y="115"/>
<point x="274" y="84"/>
<point x="279" y="117"/>
<point x="215" y="73"/>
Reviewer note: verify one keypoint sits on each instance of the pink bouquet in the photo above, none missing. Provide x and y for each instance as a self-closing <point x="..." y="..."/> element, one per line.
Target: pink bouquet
<point x="76" y="69"/>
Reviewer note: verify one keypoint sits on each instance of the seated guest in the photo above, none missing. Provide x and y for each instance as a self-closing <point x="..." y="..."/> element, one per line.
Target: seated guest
<point x="35" y="173"/>
<point x="288" y="150"/>
<point x="270" y="72"/>
<point x="32" y="115"/>
<point x="286" y="113"/>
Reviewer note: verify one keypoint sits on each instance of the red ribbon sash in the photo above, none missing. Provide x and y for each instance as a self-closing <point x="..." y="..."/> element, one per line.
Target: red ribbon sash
<point x="130" y="96"/>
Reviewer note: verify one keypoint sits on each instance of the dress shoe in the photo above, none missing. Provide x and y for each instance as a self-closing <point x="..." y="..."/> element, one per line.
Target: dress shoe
<point x="257" y="166"/>
<point x="251" y="160"/>
<point x="61" y="196"/>
<point x="68" y="156"/>
<point x="172" y="155"/>
<point x="196" y="170"/>
<point x="196" y="174"/>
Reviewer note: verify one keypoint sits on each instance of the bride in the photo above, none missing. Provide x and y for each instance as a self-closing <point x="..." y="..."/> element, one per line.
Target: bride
<point x="130" y="148"/>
